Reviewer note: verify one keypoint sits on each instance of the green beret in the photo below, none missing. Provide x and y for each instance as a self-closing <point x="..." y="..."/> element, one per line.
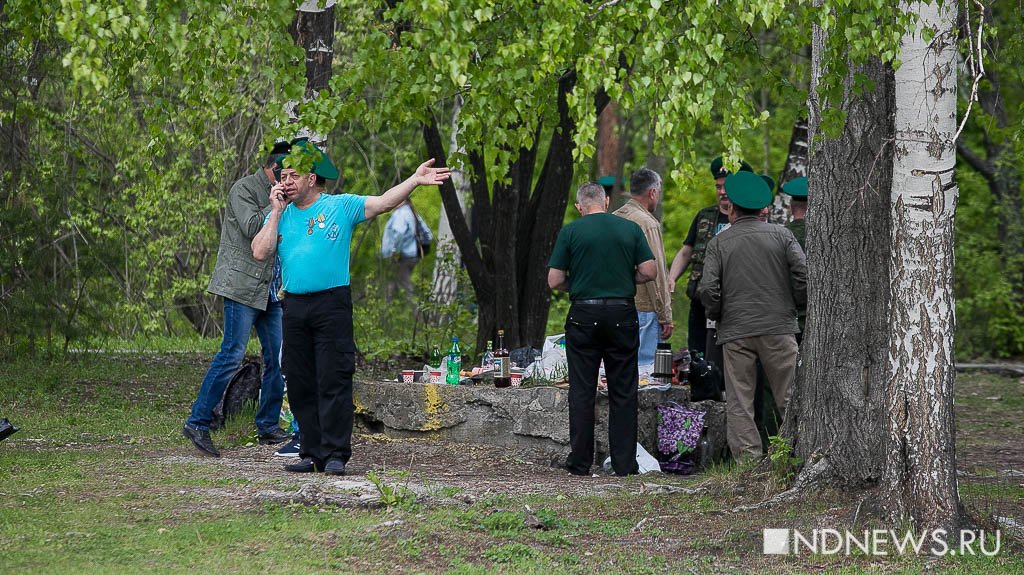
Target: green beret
<point x="797" y="187"/>
<point x="748" y="190"/>
<point x="304" y="153"/>
<point x="606" y="181"/>
<point x="719" y="171"/>
<point x="768" y="180"/>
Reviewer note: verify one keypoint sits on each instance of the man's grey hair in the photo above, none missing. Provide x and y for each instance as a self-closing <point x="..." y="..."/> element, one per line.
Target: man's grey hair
<point x="643" y="180"/>
<point x="590" y="193"/>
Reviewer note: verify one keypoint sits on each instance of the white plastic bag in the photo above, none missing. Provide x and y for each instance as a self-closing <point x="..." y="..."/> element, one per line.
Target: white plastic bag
<point x="645" y="461"/>
<point x="552" y="364"/>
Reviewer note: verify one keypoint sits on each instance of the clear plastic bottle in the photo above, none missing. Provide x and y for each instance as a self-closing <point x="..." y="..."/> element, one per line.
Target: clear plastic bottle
<point x="454" y="364"/>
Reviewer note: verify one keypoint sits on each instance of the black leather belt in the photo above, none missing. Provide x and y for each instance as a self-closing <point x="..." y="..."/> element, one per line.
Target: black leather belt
<point x="314" y="294"/>
<point x="604" y="301"/>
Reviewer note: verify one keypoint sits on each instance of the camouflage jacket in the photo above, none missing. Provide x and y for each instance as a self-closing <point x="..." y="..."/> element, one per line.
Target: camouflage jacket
<point x="707" y="219"/>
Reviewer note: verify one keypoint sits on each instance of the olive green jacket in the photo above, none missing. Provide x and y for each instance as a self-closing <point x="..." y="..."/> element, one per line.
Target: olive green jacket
<point x="755" y="278"/>
<point x="237" y="275"/>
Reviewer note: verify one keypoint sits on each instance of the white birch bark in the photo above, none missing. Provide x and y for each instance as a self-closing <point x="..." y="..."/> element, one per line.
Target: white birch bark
<point x="920" y="478"/>
<point x="445" y="282"/>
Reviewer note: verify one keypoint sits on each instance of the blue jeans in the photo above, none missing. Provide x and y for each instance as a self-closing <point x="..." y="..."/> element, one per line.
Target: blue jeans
<point x="650" y="330"/>
<point x="239" y="319"/>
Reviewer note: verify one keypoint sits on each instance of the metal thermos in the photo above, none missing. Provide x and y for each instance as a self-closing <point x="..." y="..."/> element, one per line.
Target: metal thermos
<point x="663" y="363"/>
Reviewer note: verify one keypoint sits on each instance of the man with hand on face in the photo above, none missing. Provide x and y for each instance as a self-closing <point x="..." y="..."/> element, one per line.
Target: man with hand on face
<point x="249" y="288"/>
<point x="311" y="232"/>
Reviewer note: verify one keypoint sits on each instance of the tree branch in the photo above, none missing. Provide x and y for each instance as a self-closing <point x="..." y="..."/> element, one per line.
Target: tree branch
<point x="456" y="219"/>
<point x="980" y="165"/>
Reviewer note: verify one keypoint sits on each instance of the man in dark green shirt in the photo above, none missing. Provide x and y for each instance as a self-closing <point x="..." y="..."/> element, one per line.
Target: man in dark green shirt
<point x="599" y="259"/>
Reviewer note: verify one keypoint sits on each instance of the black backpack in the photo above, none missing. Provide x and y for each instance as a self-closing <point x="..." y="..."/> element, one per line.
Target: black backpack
<point x="706" y="381"/>
<point x="242" y="389"/>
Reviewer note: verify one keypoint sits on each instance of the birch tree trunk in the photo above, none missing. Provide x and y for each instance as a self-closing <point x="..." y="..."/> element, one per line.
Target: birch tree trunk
<point x="797" y="165"/>
<point x="445" y="283"/>
<point x="920" y="474"/>
<point x="313" y="29"/>
<point x="837" y="406"/>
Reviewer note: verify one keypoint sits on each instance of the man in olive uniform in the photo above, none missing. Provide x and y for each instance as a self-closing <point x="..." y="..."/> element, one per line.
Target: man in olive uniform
<point x="797" y="190"/>
<point x="708" y="223"/>
<point x="755" y="278"/>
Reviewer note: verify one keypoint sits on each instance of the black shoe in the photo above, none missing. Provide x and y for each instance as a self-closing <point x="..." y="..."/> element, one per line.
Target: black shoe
<point x="277" y="435"/>
<point x="6" y="429"/>
<point x="334" y="467"/>
<point x="201" y="439"/>
<point x="574" y="470"/>
<point x="305" y="465"/>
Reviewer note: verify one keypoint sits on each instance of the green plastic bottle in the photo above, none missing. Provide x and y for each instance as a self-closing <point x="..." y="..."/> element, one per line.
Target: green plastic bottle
<point x="452" y="376"/>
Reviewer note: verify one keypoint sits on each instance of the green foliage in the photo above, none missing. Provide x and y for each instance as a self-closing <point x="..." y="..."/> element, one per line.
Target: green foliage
<point x="128" y="122"/>
<point x="783" y="463"/>
<point x="132" y="120"/>
<point x="392" y="495"/>
<point x="409" y="326"/>
<point x="988" y="306"/>
<point x="989" y="273"/>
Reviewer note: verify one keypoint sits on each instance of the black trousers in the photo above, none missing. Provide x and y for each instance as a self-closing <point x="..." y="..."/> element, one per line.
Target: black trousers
<point x="318" y="363"/>
<point x="697" y="328"/>
<point x="612" y="333"/>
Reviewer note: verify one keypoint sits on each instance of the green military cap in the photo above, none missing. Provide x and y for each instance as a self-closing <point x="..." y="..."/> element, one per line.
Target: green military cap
<point x="748" y="190"/>
<point x="303" y="153"/>
<point x="797" y="187"/>
<point x="719" y="171"/>
<point x="606" y="181"/>
<point x="768" y="180"/>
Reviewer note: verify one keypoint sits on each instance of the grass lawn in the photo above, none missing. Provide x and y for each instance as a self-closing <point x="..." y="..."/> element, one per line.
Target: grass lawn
<point x="99" y="480"/>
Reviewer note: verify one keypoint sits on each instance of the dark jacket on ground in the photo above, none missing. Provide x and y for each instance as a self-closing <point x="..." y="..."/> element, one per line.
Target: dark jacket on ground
<point x="755" y="278"/>
<point x="238" y="275"/>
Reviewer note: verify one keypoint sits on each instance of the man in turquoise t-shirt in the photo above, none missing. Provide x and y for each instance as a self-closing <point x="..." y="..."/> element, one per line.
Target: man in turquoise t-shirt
<point x="599" y="259"/>
<point x="311" y="231"/>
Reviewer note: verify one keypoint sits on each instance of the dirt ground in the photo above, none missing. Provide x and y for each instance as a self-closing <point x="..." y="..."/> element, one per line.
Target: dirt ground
<point x="425" y="467"/>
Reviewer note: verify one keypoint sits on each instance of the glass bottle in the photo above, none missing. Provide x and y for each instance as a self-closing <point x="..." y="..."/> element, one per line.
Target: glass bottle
<point x="435" y="357"/>
<point x="487" y="363"/>
<point x="454" y="363"/>
<point x="502" y="375"/>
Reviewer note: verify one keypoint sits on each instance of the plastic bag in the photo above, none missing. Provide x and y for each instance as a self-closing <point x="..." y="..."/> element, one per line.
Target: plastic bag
<point x="552" y="364"/>
<point x="680" y="437"/>
<point x="645" y="461"/>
